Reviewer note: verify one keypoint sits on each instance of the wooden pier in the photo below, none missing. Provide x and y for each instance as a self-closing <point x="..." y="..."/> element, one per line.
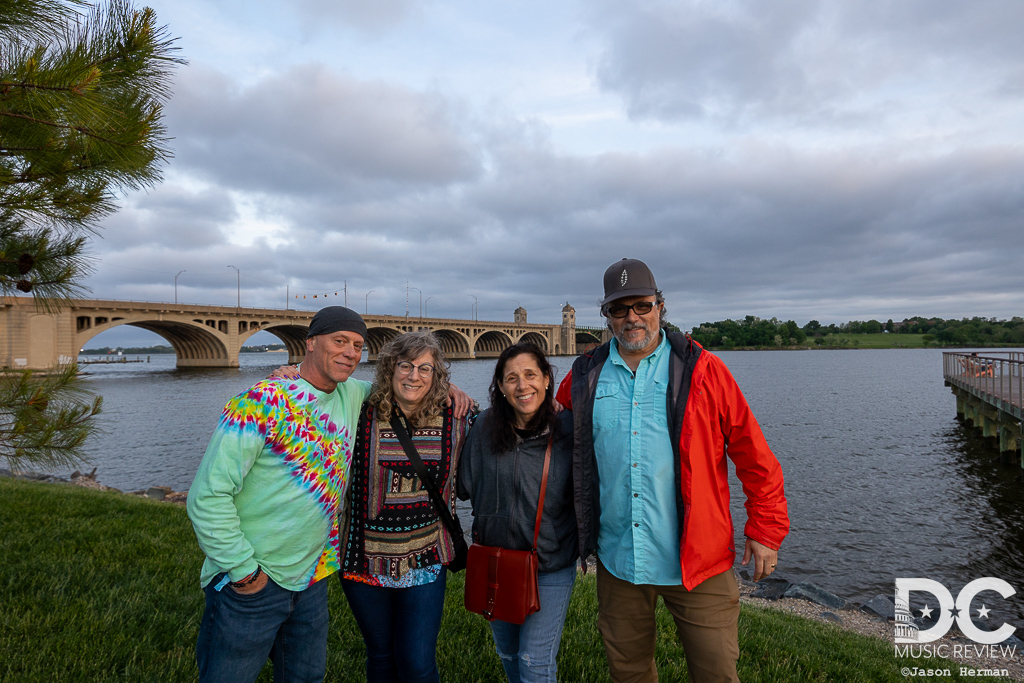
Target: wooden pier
<point x="989" y="389"/>
<point x="111" y="360"/>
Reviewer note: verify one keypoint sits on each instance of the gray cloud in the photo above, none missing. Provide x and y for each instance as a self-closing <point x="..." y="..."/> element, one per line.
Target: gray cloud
<point x="372" y="17"/>
<point x="820" y="62"/>
<point x="766" y="235"/>
<point x="307" y="130"/>
<point x="173" y="217"/>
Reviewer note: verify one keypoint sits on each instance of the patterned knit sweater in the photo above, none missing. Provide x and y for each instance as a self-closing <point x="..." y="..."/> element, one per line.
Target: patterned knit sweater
<point x="392" y="526"/>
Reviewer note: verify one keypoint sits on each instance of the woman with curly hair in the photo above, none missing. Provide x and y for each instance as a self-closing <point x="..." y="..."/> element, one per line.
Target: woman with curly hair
<point x="395" y="544"/>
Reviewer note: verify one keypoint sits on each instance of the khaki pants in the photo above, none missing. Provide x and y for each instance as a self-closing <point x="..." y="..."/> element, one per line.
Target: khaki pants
<point x="706" y="620"/>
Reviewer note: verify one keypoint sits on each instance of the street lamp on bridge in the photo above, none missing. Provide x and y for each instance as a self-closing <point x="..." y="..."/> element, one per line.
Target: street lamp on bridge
<point x="367" y="302"/>
<point x="425" y="305"/>
<point x="176" y="285"/>
<point x="474" y="311"/>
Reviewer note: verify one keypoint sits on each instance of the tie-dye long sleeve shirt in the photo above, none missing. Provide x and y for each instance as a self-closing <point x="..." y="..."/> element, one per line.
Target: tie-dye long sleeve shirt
<point x="273" y="480"/>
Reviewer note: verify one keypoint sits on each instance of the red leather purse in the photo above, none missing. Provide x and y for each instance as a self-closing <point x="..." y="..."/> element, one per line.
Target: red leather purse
<point x="500" y="583"/>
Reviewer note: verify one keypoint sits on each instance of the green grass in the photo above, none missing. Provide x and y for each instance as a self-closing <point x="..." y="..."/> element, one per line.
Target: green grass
<point x="882" y="340"/>
<point x="104" y="587"/>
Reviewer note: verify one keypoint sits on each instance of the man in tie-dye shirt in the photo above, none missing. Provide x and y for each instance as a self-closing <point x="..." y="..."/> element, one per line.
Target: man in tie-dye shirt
<point x="264" y="506"/>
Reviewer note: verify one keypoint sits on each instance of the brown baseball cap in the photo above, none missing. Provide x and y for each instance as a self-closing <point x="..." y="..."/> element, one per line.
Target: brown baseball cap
<point x="628" y="277"/>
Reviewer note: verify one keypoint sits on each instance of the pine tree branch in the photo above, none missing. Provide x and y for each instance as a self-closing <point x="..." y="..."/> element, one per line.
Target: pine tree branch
<point x="8" y="87"/>
<point x="36" y="19"/>
<point x="78" y="129"/>
<point x="45" y="419"/>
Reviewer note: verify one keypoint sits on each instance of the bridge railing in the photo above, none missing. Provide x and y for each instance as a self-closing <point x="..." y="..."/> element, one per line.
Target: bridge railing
<point x="997" y="376"/>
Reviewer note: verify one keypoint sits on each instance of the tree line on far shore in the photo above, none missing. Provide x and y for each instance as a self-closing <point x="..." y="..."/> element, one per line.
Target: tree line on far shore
<point x="760" y="332"/>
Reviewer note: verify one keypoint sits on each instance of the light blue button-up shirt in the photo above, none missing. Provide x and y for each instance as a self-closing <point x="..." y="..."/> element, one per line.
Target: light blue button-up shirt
<point x="638" y="539"/>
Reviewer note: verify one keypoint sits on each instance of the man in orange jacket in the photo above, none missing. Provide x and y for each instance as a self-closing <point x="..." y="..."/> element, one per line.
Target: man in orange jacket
<point x="655" y="417"/>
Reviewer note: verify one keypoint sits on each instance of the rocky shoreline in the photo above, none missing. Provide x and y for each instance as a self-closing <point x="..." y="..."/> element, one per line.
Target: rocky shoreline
<point x="163" y="493"/>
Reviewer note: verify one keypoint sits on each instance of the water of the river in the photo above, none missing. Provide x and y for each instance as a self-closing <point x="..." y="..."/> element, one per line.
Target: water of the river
<point x="882" y="479"/>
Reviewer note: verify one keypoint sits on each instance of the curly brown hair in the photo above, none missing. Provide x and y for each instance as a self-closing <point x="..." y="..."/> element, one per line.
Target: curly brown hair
<point x="409" y="347"/>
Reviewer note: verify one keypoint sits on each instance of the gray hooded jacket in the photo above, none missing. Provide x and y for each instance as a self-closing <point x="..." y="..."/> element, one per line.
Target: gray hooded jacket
<point x="503" y="489"/>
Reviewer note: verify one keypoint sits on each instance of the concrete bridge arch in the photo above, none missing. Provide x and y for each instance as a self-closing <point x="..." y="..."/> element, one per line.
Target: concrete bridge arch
<point x="491" y="343"/>
<point x="541" y="341"/>
<point x="194" y="342"/>
<point x="291" y="335"/>
<point x="454" y="343"/>
<point x="377" y="337"/>
<point x="585" y="338"/>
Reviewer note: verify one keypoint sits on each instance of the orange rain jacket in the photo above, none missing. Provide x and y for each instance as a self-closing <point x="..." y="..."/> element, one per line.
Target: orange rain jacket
<point x="709" y="419"/>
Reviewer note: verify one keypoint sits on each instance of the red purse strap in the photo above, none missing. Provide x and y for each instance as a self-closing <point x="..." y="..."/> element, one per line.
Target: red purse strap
<point x="543" y="491"/>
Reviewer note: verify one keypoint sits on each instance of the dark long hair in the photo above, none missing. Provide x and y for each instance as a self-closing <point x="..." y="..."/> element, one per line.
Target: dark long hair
<point x="502" y="416"/>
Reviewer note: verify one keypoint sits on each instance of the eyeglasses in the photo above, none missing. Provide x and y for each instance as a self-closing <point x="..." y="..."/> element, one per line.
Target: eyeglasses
<point x="406" y="368"/>
<point x="622" y="310"/>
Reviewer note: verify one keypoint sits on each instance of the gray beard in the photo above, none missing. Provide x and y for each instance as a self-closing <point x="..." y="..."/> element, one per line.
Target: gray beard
<point x="639" y="345"/>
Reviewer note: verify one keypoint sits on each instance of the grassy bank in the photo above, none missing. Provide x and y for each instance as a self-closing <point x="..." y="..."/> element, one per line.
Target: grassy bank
<point x="880" y="341"/>
<point x="104" y="587"/>
<point x="847" y="341"/>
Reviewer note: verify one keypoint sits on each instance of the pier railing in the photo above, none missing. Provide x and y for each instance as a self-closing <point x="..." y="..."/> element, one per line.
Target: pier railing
<point x="996" y="377"/>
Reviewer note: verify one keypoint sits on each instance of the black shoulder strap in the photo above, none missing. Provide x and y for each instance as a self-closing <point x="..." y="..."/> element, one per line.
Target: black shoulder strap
<point x="452" y="523"/>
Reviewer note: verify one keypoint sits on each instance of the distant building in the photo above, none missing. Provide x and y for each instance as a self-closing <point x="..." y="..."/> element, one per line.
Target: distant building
<point x="568" y="342"/>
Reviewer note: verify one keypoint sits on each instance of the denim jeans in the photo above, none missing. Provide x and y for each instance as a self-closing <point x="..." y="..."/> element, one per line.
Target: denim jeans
<point x="400" y="627"/>
<point x="238" y="633"/>
<point x="528" y="652"/>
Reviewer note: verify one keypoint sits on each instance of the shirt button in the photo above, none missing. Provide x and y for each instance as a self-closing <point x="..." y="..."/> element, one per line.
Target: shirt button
<point x="636" y="495"/>
<point x="634" y="464"/>
<point x="636" y="524"/>
<point x="634" y="433"/>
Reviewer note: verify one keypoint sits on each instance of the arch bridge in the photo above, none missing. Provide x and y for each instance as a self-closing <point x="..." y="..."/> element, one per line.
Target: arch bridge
<point x="588" y="337"/>
<point x="32" y="337"/>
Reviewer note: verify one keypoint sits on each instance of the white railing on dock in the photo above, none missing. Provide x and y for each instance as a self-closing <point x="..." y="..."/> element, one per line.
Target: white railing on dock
<point x="996" y="376"/>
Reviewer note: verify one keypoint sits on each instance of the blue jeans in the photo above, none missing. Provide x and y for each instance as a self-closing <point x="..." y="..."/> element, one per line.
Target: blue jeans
<point x="400" y="627"/>
<point x="528" y="652"/>
<point x="238" y="633"/>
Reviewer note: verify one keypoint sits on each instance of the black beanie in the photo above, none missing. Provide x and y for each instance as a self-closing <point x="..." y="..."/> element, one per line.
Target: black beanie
<point x="336" y="319"/>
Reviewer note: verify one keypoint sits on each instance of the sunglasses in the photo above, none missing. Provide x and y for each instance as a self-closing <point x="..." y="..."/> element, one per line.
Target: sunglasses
<point x="621" y="310"/>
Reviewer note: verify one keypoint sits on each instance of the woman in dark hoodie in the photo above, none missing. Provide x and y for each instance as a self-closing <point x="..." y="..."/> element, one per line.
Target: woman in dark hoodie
<point x="500" y="473"/>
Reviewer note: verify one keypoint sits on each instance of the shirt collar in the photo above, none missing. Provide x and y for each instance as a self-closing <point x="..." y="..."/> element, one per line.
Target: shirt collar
<point x="614" y="357"/>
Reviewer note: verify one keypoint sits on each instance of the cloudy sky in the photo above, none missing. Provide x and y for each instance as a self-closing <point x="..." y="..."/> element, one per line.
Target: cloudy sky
<point x="798" y="159"/>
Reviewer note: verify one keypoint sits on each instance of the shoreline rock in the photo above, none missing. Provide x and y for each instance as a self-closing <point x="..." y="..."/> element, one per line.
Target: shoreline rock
<point x="162" y="493"/>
